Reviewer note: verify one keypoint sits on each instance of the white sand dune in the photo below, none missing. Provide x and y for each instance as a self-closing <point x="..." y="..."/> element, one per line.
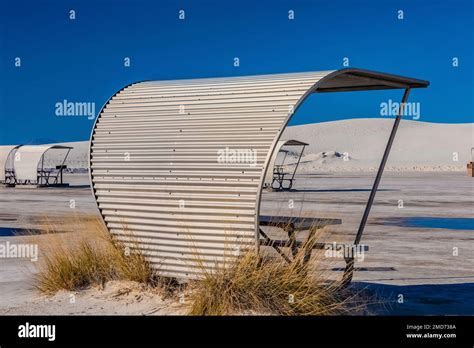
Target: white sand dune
<point x="419" y="146"/>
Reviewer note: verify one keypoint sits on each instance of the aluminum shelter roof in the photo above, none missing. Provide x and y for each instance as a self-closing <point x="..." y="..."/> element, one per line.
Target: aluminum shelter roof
<point x="5" y="152"/>
<point x="29" y="156"/>
<point x="177" y="167"/>
<point x="294" y="142"/>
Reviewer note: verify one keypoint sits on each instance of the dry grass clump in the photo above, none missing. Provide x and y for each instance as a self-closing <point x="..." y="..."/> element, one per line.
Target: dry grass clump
<point x="89" y="257"/>
<point x="252" y="284"/>
<point x="267" y="286"/>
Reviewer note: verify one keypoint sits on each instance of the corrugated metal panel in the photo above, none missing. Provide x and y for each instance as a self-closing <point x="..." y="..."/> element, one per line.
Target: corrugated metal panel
<point x="165" y="168"/>
<point x="159" y="170"/>
<point x="5" y="155"/>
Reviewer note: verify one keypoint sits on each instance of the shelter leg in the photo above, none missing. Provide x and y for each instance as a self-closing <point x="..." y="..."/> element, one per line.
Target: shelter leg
<point x="276" y="247"/>
<point x="308" y="245"/>
<point x="292" y="237"/>
<point x="350" y="264"/>
<point x="375" y="186"/>
<point x="62" y="165"/>
<point x="348" y="272"/>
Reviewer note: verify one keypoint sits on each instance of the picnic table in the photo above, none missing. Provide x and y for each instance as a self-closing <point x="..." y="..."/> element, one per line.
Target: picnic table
<point x="292" y="225"/>
<point x="44" y="176"/>
<point x="10" y="176"/>
<point x="281" y="180"/>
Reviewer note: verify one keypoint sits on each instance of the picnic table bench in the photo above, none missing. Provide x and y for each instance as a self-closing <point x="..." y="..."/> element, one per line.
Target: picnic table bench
<point x="44" y="175"/>
<point x="291" y="225"/>
<point x="51" y="176"/>
<point x="281" y="180"/>
<point x="10" y="176"/>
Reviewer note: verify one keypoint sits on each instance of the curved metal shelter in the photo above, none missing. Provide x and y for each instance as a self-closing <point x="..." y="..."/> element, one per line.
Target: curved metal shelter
<point x="272" y="165"/>
<point x="6" y="160"/>
<point x="28" y="160"/>
<point x="177" y="167"/>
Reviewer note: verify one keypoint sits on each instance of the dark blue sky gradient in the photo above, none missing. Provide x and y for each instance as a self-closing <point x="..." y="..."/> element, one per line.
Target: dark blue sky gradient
<point x="82" y="60"/>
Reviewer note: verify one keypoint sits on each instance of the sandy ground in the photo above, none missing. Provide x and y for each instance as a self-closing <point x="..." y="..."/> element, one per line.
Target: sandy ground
<point x="414" y="264"/>
<point x="115" y="298"/>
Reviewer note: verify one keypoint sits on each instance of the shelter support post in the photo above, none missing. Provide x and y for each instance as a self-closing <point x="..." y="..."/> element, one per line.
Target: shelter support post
<point x="61" y="168"/>
<point x="349" y="270"/>
<point x="276" y="247"/>
<point x="41" y="176"/>
<point x="298" y="163"/>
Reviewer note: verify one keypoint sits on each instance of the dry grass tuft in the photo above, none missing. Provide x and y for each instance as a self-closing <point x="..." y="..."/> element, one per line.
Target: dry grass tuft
<point x="89" y="257"/>
<point x="250" y="285"/>
<point x="268" y="285"/>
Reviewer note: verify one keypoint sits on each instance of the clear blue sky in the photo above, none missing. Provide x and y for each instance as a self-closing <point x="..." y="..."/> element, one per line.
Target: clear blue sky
<point x="82" y="59"/>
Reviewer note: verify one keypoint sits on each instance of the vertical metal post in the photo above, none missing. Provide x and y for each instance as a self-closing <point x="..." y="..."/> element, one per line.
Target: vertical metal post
<point x="375" y="186"/>
<point x="41" y="179"/>
<point x="62" y="165"/>
<point x="347" y="277"/>
<point x="284" y="158"/>
<point x="298" y="163"/>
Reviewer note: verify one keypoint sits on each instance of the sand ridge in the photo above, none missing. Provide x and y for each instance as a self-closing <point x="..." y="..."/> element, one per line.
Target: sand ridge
<point x="356" y="145"/>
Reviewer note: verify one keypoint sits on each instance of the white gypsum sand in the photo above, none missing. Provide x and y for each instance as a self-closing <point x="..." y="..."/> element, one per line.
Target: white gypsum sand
<point x="418" y="146"/>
